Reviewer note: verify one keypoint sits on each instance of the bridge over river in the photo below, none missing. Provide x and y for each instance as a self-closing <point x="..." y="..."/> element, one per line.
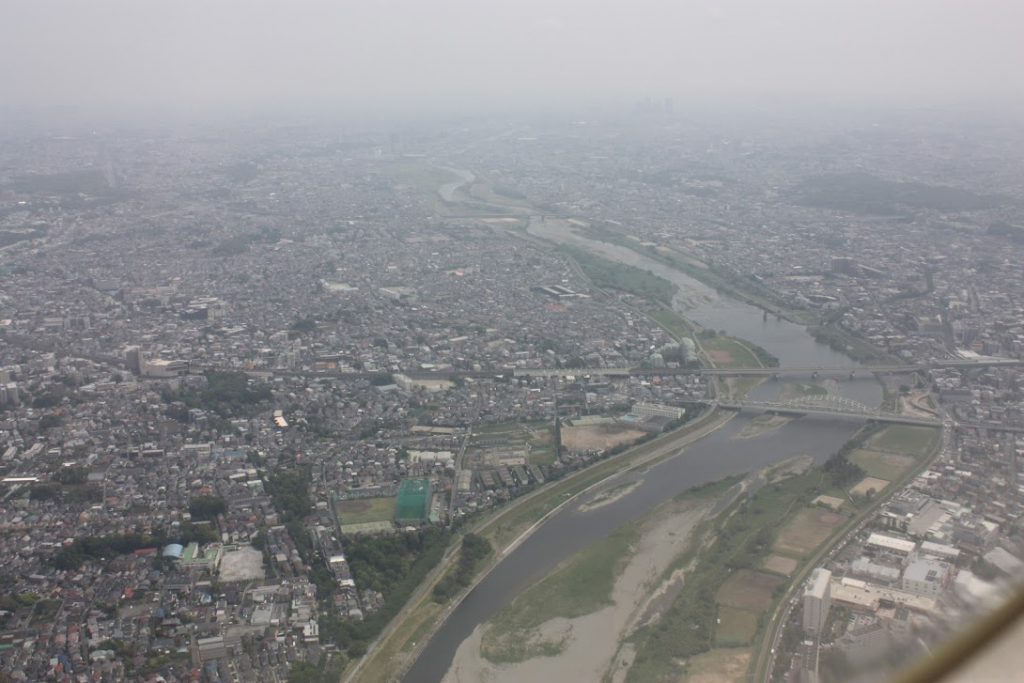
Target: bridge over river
<point x="824" y="405"/>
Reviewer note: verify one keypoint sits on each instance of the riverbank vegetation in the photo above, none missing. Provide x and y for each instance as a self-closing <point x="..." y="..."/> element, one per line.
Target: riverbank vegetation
<point x="504" y="526"/>
<point x="744" y="287"/>
<point x="607" y="274"/>
<point x="393" y="565"/>
<point x="474" y="550"/>
<point x="725" y="578"/>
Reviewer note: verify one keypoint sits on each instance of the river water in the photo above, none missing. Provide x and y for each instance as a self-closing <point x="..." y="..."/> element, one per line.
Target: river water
<point x="717" y="455"/>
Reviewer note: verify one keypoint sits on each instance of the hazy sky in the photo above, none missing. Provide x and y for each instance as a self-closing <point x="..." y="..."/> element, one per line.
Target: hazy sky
<point x="198" y="54"/>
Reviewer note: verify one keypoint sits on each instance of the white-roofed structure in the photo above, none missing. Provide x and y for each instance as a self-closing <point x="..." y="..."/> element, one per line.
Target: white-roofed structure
<point x="896" y="545"/>
<point x="817" y="601"/>
<point x="940" y="550"/>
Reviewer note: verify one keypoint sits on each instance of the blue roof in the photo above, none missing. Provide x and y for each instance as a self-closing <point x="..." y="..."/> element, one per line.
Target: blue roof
<point x="173" y="550"/>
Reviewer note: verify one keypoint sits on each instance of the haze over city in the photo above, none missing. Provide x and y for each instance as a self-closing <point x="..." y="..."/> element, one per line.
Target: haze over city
<point x="466" y="342"/>
<point x="455" y="55"/>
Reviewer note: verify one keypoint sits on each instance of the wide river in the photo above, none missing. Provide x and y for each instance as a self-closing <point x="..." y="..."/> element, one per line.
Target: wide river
<point x="718" y="455"/>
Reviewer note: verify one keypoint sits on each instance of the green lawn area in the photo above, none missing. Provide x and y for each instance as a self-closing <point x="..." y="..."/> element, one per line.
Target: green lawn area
<point x="365" y="510"/>
<point x="907" y="439"/>
<point x="735" y="626"/>
<point x="674" y="324"/>
<point x="726" y="352"/>
<point x="886" y="466"/>
<point x="498" y="428"/>
<point x="542" y="455"/>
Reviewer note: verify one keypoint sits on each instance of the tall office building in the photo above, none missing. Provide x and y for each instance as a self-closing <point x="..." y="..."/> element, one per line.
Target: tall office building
<point x="133" y="357"/>
<point x="817" y="601"/>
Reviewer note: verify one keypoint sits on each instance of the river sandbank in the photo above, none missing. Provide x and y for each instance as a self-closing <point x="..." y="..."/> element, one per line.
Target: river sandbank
<point x="585" y="646"/>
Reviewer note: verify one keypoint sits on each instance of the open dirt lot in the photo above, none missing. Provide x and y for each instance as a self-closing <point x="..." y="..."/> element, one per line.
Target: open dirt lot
<point x="780" y="565"/>
<point x="601" y="437"/>
<point x="244" y="564"/>
<point x="867" y="484"/>
<point x="723" y="665"/>
<point x="748" y="590"/>
<point x="806" y="531"/>
<point x="720" y="357"/>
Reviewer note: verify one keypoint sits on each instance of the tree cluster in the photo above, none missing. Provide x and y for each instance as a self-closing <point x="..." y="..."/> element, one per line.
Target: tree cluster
<point x="474" y="549"/>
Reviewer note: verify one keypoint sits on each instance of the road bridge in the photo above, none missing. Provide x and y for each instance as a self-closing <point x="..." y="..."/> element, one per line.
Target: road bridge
<point x="830" y="404"/>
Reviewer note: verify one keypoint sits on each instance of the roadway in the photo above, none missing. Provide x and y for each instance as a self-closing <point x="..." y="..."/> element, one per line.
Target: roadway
<point x="814" y="370"/>
<point x="791" y="409"/>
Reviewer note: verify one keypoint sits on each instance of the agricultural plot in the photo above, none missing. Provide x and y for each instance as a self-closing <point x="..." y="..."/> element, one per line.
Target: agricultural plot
<point x="735" y="626"/>
<point x="806" y="531"/>
<point x="780" y="565"/>
<point x="906" y="439"/>
<point x="748" y="590"/>
<point x="888" y="466"/>
<point x="721" y="665"/>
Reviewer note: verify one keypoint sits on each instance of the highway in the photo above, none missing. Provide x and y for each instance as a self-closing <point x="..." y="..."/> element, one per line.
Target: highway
<point x="824" y="408"/>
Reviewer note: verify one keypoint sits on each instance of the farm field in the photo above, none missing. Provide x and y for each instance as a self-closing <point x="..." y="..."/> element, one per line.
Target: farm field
<point x="905" y="439"/>
<point x="888" y="466"/>
<point x="721" y="665"/>
<point x="808" y="529"/>
<point x="748" y="589"/>
<point x="780" y="565"/>
<point x="735" y="626"/>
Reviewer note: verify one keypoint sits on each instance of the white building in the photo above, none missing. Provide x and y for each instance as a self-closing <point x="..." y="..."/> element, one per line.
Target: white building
<point x="862" y="566"/>
<point x="646" y="410"/>
<point x="817" y="601"/>
<point x="927" y="577"/>
<point x="901" y="546"/>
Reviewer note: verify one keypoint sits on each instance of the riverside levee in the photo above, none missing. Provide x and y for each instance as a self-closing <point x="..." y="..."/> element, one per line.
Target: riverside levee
<point x="719" y="455"/>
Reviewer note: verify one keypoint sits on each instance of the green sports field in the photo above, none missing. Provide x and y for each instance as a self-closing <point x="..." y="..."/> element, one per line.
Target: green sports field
<point x="413" y="501"/>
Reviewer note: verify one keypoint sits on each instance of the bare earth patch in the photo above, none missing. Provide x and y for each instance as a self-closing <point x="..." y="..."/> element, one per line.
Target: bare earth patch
<point x="830" y="502"/>
<point x="806" y="531"/>
<point x="748" y="590"/>
<point x="719" y="357"/>
<point x="780" y="565"/>
<point x="598" y="437"/>
<point x="609" y="496"/>
<point x="868" y="484"/>
<point x="761" y="424"/>
<point x="723" y="665"/>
